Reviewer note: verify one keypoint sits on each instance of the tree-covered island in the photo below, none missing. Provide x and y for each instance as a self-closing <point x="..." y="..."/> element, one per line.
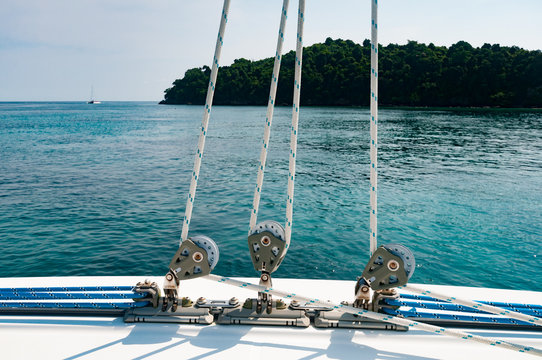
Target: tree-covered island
<point x="336" y="73"/>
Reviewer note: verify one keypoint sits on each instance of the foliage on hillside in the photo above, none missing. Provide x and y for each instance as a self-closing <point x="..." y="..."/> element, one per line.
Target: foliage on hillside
<point x="337" y="73"/>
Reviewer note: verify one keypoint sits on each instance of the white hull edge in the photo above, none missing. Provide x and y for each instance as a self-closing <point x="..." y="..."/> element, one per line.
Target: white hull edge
<point x="55" y="337"/>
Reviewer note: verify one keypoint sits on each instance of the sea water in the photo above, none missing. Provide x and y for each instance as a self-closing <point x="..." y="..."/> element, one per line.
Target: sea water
<point x="101" y="190"/>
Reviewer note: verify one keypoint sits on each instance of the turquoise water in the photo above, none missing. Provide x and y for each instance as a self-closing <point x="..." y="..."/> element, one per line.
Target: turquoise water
<point x="101" y="190"/>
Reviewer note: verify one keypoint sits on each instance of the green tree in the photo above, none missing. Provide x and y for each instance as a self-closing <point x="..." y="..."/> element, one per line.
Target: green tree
<point x="336" y="72"/>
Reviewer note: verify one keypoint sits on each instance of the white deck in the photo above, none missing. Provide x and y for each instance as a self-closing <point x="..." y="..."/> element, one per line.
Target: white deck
<point x="38" y="337"/>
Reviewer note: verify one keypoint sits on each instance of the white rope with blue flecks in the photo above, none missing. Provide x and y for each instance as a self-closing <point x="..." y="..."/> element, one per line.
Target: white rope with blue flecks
<point x="269" y="116"/>
<point x="205" y="121"/>
<point x="373" y="179"/>
<point x="374" y="128"/>
<point x="476" y="305"/>
<point x="415" y="325"/>
<point x="295" y="120"/>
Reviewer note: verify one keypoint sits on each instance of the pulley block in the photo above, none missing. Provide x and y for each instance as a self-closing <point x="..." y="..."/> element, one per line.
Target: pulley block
<point x="267" y="246"/>
<point x="196" y="257"/>
<point x="390" y="266"/>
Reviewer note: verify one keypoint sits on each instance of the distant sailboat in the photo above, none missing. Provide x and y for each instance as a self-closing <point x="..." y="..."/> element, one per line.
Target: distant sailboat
<point x="92" y="101"/>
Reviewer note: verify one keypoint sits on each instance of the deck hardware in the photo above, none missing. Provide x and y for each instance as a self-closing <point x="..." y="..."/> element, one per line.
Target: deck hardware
<point x="389" y="267"/>
<point x="251" y="314"/>
<point x="201" y="301"/>
<point x="327" y="319"/>
<point x="195" y="257"/>
<point x="267" y="247"/>
<point x="216" y="307"/>
<point x="234" y="301"/>
<point x="311" y="310"/>
<point x="363" y="293"/>
<point x="380" y="297"/>
<point x="151" y="290"/>
<point x="183" y="315"/>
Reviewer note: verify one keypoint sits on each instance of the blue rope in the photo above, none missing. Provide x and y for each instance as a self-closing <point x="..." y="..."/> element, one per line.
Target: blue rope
<point x="71" y="305"/>
<point x="454" y="317"/>
<point x="67" y="289"/>
<point x="492" y="303"/>
<point x="454" y="307"/>
<point x="10" y="298"/>
<point x="67" y="296"/>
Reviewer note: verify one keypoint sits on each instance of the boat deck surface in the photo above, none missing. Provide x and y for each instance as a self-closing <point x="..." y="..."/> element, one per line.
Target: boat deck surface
<point x="85" y="337"/>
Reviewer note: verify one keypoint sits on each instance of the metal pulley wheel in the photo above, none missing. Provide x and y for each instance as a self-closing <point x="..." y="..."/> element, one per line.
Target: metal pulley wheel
<point x="269" y="225"/>
<point x="207" y="244"/>
<point x="390" y="266"/>
<point x="196" y="257"/>
<point x="267" y="245"/>
<point x="406" y="255"/>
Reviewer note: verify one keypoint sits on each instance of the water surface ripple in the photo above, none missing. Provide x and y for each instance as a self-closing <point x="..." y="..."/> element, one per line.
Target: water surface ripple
<point x="101" y="190"/>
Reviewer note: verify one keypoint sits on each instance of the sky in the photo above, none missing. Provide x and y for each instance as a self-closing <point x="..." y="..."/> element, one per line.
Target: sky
<point x="132" y="50"/>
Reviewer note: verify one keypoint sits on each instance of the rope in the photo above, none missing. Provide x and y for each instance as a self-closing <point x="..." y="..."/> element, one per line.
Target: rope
<point x="68" y="289"/>
<point x="71" y="305"/>
<point x="453" y="307"/>
<point x="374" y="128"/>
<point x="269" y="116"/>
<point x="14" y="297"/>
<point x="494" y="303"/>
<point x="379" y="317"/>
<point x="295" y="120"/>
<point x="205" y="122"/>
<point x="64" y="296"/>
<point x="475" y="305"/>
<point x="413" y="313"/>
